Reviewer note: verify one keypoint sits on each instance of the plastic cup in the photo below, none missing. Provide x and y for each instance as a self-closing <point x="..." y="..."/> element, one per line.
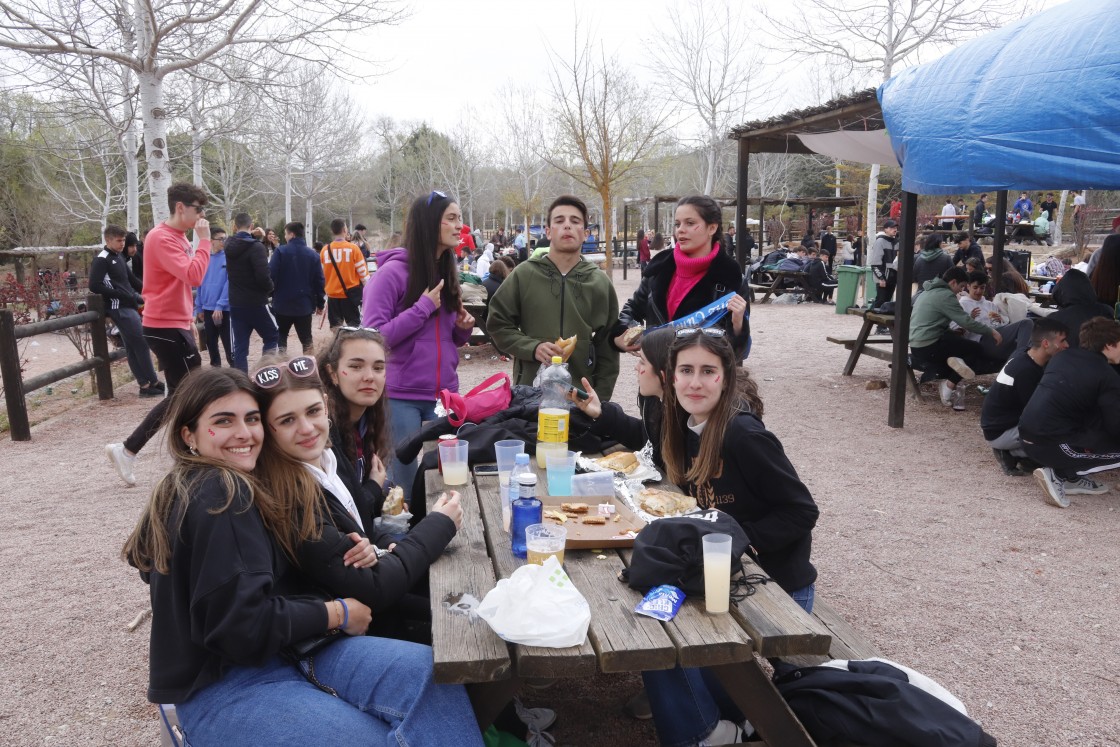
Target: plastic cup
<point x="543" y="540"/>
<point x="453" y="457"/>
<point x="560" y="467"/>
<point x="717" y="573"/>
<point x="504" y="454"/>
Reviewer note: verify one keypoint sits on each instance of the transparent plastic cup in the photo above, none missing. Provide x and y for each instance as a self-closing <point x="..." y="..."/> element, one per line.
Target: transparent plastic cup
<point x="560" y="467"/>
<point x="717" y="573"/>
<point x="544" y="540"/>
<point x="453" y="457"/>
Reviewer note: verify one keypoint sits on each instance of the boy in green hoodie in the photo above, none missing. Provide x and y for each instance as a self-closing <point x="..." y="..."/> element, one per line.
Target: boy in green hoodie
<point x="555" y="296"/>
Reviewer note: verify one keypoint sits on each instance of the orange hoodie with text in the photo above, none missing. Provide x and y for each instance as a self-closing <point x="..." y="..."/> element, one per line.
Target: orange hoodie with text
<point x="351" y="265"/>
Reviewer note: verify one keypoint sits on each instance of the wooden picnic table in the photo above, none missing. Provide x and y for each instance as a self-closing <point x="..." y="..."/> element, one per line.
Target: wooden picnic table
<point x="467" y="651"/>
<point x="777" y="283"/>
<point x="876" y="346"/>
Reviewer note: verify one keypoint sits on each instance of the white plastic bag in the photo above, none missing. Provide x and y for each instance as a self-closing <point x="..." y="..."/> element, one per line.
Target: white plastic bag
<point x="538" y="606"/>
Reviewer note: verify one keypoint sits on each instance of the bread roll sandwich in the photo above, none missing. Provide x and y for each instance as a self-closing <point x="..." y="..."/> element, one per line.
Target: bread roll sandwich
<point x="632" y="336"/>
<point x="394" y="502"/>
<point x="663" y="503"/>
<point x="622" y="461"/>
<point x="567" y="346"/>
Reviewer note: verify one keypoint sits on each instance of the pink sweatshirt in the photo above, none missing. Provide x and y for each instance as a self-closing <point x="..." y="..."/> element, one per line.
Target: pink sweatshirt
<point x="169" y="274"/>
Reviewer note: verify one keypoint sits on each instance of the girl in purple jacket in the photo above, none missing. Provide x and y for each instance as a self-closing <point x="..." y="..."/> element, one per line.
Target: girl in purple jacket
<point x="414" y="301"/>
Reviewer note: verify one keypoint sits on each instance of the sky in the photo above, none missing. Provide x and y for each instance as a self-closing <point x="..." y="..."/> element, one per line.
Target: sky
<point x="449" y="58"/>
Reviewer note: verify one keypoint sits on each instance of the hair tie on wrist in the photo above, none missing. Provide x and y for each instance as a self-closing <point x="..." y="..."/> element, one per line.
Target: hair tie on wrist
<point x="345" y="614"/>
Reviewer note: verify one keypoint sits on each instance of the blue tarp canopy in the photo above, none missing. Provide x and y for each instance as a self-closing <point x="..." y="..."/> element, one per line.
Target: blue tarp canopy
<point x="1034" y="105"/>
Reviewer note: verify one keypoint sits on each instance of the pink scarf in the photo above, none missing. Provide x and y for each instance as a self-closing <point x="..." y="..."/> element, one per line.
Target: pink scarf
<point x="689" y="272"/>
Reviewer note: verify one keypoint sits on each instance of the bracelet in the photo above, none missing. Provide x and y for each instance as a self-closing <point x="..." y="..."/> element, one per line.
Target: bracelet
<point x="345" y="614"/>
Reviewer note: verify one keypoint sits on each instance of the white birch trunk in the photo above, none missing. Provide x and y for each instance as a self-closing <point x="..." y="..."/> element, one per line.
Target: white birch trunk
<point x="155" y="142"/>
<point x="309" y="205"/>
<point x="1056" y="224"/>
<point x="710" y="179"/>
<point x="288" y="194"/>
<point x="872" y="211"/>
<point x="132" y="178"/>
<point x="196" y="154"/>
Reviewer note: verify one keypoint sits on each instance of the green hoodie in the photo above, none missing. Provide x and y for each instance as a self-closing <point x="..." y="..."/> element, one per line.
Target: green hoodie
<point x="537" y="304"/>
<point x="933" y="311"/>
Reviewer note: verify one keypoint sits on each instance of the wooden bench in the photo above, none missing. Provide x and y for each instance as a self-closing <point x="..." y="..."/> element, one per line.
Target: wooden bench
<point x="874" y="346"/>
<point x="777" y="278"/>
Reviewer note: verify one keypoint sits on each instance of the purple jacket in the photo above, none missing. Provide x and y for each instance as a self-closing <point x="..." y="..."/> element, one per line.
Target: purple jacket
<point x="422" y="343"/>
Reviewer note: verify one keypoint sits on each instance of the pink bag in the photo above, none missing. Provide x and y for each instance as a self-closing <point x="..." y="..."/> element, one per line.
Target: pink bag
<point x="479" y="403"/>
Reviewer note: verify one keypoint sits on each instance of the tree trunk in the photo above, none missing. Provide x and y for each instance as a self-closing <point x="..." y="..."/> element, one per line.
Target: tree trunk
<point x="606" y="231"/>
<point x="872" y="210"/>
<point x="132" y="178"/>
<point x="1056" y="224"/>
<point x="154" y="117"/>
<point x="196" y="154"/>
<point x="710" y="179"/>
<point x="288" y="193"/>
<point x="309" y="205"/>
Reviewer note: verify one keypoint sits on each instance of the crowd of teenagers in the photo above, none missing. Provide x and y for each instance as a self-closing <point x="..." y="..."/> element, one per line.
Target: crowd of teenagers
<point x="282" y="604"/>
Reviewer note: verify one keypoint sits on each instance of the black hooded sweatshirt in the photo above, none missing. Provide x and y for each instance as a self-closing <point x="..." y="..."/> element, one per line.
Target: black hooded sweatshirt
<point x="1077" y="303"/>
<point x="250" y="283"/>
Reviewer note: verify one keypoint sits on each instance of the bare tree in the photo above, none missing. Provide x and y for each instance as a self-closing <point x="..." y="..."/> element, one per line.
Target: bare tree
<point x="519" y="145"/>
<point x="875" y="37"/>
<point x="710" y="69"/>
<point x="603" y="125"/>
<point x="153" y="40"/>
<point x="79" y="164"/>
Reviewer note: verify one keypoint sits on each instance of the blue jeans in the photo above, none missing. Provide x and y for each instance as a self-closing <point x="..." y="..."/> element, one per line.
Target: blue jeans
<point x="385" y="697"/>
<point x="688" y="703"/>
<point x="243" y="322"/>
<point x="405" y="418"/>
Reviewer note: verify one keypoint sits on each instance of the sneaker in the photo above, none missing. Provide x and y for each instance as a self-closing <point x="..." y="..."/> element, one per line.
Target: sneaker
<point x="726" y="732"/>
<point x="1008" y="462"/>
<point x="958" y="398"/>
<point x="946" y="392"/>
<point x="124" y="462"/>
<point x="962" y="368"/>
<point x="1053" y="486"/>
<point x="159" y="386"/>
<point x="1084" y="486"/>
<point x="536" y="720"/>
<point x="150" y="391"/>
<point x="638" y="707"/>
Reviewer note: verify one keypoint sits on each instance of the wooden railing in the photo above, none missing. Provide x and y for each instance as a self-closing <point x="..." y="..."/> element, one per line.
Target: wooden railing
<point x="16" y="388"/>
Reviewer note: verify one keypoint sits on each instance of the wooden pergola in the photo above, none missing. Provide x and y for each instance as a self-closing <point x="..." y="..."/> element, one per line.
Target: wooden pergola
<point x="861" y="112"/>
<point x="35" y="253"/>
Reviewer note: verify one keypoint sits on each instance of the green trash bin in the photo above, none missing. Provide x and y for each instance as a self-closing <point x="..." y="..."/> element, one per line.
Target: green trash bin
<point x="847" y="285"/>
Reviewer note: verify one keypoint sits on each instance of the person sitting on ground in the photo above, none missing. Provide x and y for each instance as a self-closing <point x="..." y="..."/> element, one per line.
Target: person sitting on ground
<point x="1070" y="425"/>
<point x="1012" y="390"/>
<point x="1042" y="228"/>
<point x="978" y="307"/>
<point x="1051" y="268"/>
<point x="966" y="248"/>
<point x="820" y="282"/>
<point x="934" y="348"/>
<point x="1077" y="303"/>
<point x="931" y="263"/>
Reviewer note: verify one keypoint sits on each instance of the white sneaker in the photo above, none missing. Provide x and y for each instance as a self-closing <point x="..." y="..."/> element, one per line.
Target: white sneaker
<point x="1085" y="486"/>
<point x="124" y="462"/>
<point x="1053" y="486"/>
<point x="946" y="392"/>
<point x="958" y="397"/>
<point x="726" y="732"/>
<point x="961" y="368"/>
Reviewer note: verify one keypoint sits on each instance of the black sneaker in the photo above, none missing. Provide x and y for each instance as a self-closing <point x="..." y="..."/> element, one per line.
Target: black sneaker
<point x="159" y="386"/>
<point x="1008" y="462"/>
<point x="150" y="391"/>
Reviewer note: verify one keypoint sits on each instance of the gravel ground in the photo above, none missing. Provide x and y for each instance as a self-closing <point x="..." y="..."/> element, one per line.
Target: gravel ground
<point x="923" y="544"/>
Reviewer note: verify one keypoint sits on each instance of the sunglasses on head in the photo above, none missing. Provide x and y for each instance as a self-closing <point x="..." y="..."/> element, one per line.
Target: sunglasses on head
<point x="345" y="328"/>
<point x="709" y="331"/>
<point x="269" y="376"/>
<point x="436" y="193"/>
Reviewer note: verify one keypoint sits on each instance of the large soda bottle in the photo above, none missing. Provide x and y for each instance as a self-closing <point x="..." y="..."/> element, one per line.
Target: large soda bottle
<point x="527" y="510"/>
<point x="552" y="422"/>
<point x="510" y="492"/>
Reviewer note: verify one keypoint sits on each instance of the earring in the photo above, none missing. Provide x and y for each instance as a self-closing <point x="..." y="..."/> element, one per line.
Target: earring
<point x="192" y="450"/>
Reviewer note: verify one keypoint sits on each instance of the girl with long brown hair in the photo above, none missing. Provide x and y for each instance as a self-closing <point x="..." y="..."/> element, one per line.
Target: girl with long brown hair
<point x="414" y="300"/>
<point x="237" y="636"/>
<point x="725" y="458"/>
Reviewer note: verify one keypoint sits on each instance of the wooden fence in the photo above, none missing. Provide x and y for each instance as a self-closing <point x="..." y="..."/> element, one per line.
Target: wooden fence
<point x="16" y="388"/>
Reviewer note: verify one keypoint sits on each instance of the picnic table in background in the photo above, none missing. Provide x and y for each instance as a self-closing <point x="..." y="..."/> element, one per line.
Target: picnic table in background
<point x="876" y="346"/>
<point x="467" y="651"/>
<point x="774" y="283"/>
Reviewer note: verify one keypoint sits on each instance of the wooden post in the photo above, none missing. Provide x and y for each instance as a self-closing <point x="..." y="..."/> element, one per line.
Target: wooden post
<point x="18" y="424"/>
<point x="999" y="237"/>
<point x="741" y="202"/>
<point x="657" y="217"/>
<point x="896" y="414"/>
<point x="103" y="372"/>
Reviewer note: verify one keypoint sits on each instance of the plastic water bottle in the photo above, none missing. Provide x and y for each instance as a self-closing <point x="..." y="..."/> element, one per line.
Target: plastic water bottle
<point x="510" y="491"/>
<point x="527" y="510"/>
<point x="553" y="418"/>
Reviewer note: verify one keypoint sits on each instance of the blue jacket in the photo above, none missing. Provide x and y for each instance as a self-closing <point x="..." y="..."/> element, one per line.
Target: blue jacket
<point x="297" y="279"/>
<point x="213" y="294"/>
